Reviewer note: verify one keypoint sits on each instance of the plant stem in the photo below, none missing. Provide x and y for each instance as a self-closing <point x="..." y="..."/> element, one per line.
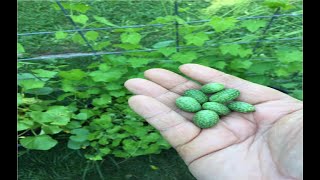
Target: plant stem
<point x="34" y="133"/>
<point x="164" y="8"/>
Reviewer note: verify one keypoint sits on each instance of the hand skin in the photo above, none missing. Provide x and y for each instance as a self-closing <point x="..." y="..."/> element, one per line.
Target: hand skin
<point x="264" y="145"/>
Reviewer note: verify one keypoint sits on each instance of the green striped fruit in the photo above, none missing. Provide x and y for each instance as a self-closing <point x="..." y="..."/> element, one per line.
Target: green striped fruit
<point x="212" y="88"/>
<point x="205" y="119"/>
<point x="242" y="107"/>
<point x="220" y="109"/>
<point x="196" y="94"/>
<point x="188" y="104"/>
<point x="225" y="96"/>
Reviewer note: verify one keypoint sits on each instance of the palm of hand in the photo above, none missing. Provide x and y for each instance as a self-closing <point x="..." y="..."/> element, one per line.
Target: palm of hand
<point x="259" y="145"/>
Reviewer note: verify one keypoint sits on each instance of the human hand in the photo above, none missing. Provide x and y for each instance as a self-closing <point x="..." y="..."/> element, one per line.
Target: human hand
<point x="266" y="144"/>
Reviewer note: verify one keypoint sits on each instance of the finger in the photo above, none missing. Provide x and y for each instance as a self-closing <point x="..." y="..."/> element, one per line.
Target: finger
<point x="250" y="92"/>
<point x="170" y="80"/>
<point x="149" y="88"/>
<point x="230" y="130"/>
<point x="175" y="128"/>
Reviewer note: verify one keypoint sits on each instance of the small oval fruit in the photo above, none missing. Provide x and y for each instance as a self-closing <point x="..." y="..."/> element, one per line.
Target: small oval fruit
<point x="212" y="88"/>
<point x="220" y="109"/>
<point x="196" y="94"/>
<point x="242" y="107"/>
<point x="225" y="96"/>
<point x="205" y="118"/>
<point x="188" y="104"/>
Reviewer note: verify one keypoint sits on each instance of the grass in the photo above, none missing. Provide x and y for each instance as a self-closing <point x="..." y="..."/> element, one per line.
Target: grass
<point x="70" y="164"/>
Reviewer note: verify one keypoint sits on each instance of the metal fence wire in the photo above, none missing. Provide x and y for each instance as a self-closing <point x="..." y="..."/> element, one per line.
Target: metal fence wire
<point x="176" y="25"/>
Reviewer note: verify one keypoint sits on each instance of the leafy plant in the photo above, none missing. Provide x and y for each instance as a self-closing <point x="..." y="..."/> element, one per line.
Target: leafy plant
<point x="85" y="103"/>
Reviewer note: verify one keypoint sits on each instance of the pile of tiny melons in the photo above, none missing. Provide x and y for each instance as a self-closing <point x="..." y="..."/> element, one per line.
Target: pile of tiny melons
<point x="210" y="102"/>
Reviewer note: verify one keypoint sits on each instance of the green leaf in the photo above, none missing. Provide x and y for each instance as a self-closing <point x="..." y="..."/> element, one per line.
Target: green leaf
<point x="94" y="91"/>
<point x="130" y="145"/>
<point x="30" y="100"/>
<point x="105" y="150"/>
<point x="105" y="99"/>
<point x="282" y="72"/>
<point x="109" y="76"/>
<point x="73" y="125"/>
<point x="261" y="67"/>
<point x="81" y="116"/>
<point x="25" y="76"/>
<point x="103" y="141"/>
<point x="231" y="49"/>
<point x="24" y="124"/>
<point x="152" y="149"/>
<point x="82" y="19"/>
<point x="96" y="157"/>
<point x="141" y="132"/>
<point x="44" y="73"/>
<point x="167" y="51"/>
<point x="19" y="99"/>
<point x="101" y="45"/>
<point x="104" y="67"/>
<point x="116" y="60"/>
<point x="31" y="84"/>
<point x="289" y="85"/>
<point x="66" y="86"/>
<point x="151" y="137"/>
<point x="78" y="39"/>
<point x="184" y="57"/>
<point x="114" y="130"/>
<point x="260" y="79"/>
<point x="219" y="65"/>
<point x="74" y="144"/>
<point x="294" y="67"/>
<point x="298" y="94"/>
<point x="80" y="131"/>
<point x="240" y="64"/>
<point x="163" y="143"/>
<point x="92" y="35"/>
<point x="41" y="142"/>
<point x="131" y="38"/>
<point x="138" y="62"/>
<point x="40" y="91"/>
<point x="60" y="35"/>
<point x="197" y="39"/>
<point x="276" y="3"/>
<point x="253" y="25"/>
<point x="57" y="115"/>
<point x="80" y="7"/>
<point x="89" y="112"/>
<point x="80" y="135"/>
<point x="104" y="122"/>
<point x="117" y="93"/>
<point x="51" y="129"/>
<point x="20" y="48"/>
<point x="103" y="21"/>
<point x="244" y="52"/>
<point x="116" y="142"/>
<point x="221" y="24"/>
<point x="163" y="44"/>
<point x="288" y="54"/>
<point x="74" y="74"/>
<point x="119" y="153"/>
<point x="63" y="96"/>
<point x="114" y="86"/>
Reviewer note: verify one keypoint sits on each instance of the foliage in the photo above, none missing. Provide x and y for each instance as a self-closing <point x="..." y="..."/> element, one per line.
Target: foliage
<point x="85" y="103"/>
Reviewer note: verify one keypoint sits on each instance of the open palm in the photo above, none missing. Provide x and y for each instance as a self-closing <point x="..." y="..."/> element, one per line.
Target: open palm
<point x="266" y="144"/>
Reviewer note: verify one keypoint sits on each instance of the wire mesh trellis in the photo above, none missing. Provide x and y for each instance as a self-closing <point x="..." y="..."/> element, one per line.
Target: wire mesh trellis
<point x="176" y="25"/>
